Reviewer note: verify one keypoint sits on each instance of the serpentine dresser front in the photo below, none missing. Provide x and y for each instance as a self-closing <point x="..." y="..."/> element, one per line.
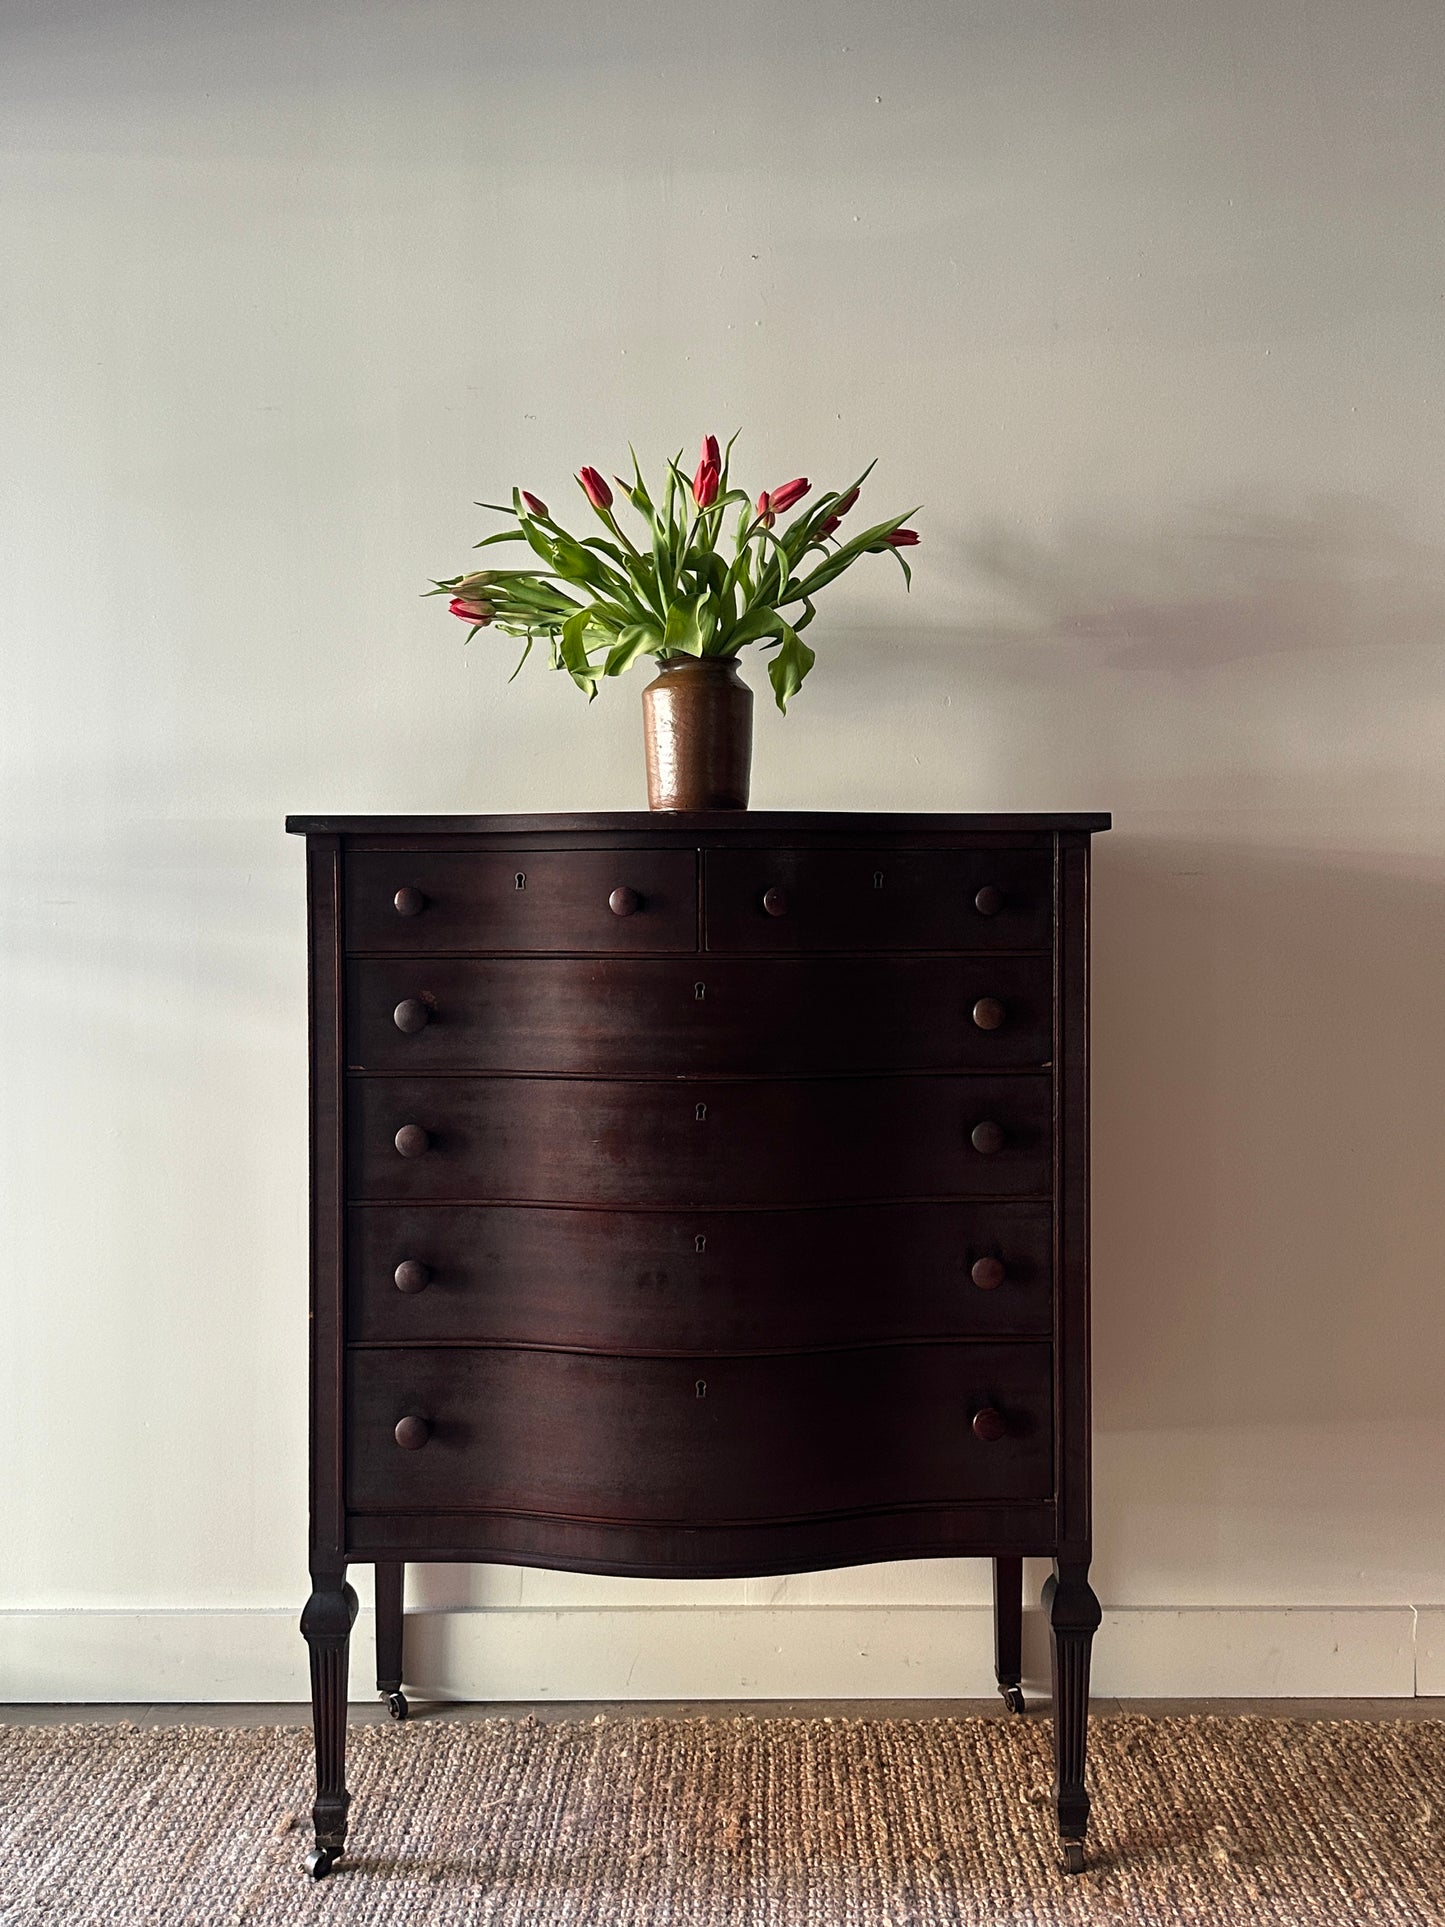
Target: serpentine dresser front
<point x="699" y="1196"/>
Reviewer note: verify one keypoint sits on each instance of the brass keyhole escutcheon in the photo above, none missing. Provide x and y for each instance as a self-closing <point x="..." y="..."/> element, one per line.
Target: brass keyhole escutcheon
<point x="701" y="1113"/>
<point x="877" y="879"/>
<point x="521" y="879"/>
<point x="699" y="1243"/>
<point x="700" y="1388"/>
<point x="699" y="991"/>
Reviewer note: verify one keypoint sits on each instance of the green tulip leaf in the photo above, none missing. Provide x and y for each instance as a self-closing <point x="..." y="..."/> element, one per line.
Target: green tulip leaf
<point x="682" y="635"/>
<point x="642" y="639"/>
<point x="520" y="660"/>
<point x="789" y="666"/>
<point x="685" y="588"/>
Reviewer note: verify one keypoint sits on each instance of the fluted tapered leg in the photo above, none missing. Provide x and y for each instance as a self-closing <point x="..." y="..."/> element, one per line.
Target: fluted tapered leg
<point x="1074" y="1617"/>
<point x="326" y="1622"/>
<point x="390" y="1604"/>
<point x="1008" y="1623"/>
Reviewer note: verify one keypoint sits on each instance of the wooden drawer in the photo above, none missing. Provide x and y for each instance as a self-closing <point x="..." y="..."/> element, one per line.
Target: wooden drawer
<point x="643" y="1016"/>
<point x="700" y="1281"/>
<point x="701" y="1440"/>
<point x="781" y="900"/>
<point x="521" y="900"/>
<point x="690" y="1145"/>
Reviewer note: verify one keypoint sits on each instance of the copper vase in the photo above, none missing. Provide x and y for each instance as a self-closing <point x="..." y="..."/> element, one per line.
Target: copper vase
<point x="697" y="718"/>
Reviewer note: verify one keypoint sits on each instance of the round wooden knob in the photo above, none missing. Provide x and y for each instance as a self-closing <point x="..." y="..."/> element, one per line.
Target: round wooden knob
<point x="987" y="1013"/>
<point x="412" y="1015"/>
<point x="412" y="1140"/>
<point x="412" y="1432"/>
<point x="775" y="902"/>
<point x="409" y="902"/>
<point x="988" y="1273"/>
<point x="412" y="1276"/>
<point x="989" y="901"/>
<point x="624" y="902"/>
<point x="986" y="1137"/>
<point x="988" y="1425"/>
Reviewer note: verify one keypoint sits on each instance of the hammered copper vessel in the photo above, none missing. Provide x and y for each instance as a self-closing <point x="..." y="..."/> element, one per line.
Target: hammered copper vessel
<point x="697" y="718"/>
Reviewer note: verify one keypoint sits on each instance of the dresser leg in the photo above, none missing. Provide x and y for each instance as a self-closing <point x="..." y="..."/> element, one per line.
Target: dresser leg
<point x="390" y="1596"/>
<point x="1008" y="1630"/>
<point x="326" y="1622"/>
<point x="1073" y="1619"/>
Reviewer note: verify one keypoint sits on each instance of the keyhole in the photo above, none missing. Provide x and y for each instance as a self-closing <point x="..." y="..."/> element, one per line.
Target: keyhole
<point x="700" y="1242"/>
<point x="701" y="1388"/>
<point x="701" y="1113"/>
<point x="699" y="991"/>
<point x="877" y="879"/>
<point x="521" y="879"/>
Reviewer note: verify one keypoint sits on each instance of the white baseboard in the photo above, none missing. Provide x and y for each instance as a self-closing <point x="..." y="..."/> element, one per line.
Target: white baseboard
<point x="1430" y="1652"/>
<point x="727" y="1652"/>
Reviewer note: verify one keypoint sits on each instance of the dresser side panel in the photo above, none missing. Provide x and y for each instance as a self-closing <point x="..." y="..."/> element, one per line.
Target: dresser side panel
<point x="1073" y="1442"/>
<point x="327" y="1452"/>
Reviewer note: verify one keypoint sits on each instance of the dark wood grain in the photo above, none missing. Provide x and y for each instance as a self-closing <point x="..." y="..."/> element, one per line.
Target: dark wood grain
<point x="699" y="1144"/>
<point x="981" y="1530"/>
<point x="710" y="1440"/>
<point x="745" y="1226"/>
<point x="705" y="827"/>
<point x="1008" y="1580"/>
<point x="872" y="900"/>
<point x="730" y="1016"/>
<point x="390" y="1609"/>
<point x="328" y="1224"/>
<point x="474" y="901"/>
<point x="1073" y="1615"/>
<point x="326" y="1622"/>
<point x="1071" y="1191"/>
<point x="698" y="1281"/>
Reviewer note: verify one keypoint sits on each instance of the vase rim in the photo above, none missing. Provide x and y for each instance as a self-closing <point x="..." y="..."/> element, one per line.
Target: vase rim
<point x="696" y="662"/>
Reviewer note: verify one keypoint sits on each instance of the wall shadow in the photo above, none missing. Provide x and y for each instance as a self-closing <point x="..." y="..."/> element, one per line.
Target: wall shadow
<point x="1226" y="579"/>
<point x="1269" y="1149"/>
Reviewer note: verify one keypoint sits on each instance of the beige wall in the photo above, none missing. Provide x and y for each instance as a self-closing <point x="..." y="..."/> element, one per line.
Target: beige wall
<point x="1143" y="301"/>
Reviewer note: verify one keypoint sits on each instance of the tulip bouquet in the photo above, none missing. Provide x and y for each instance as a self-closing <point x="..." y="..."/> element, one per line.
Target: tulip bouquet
<point x="687" y="587"/>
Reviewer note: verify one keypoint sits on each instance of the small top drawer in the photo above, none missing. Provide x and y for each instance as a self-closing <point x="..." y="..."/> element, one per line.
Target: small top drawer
<point x="588" y="901"/>
<point x="781" y="900"/>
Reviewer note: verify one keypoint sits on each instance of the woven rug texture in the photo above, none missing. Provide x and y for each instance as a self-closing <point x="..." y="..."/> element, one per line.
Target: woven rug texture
<point x="735" y="1822"/>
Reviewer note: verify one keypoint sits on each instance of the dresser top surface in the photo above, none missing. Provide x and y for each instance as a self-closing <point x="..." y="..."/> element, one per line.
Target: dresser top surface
<point x="743" y="824"/>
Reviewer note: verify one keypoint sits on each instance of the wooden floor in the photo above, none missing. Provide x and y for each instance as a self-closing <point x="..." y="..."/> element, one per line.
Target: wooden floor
<point x="298" y="1712"/>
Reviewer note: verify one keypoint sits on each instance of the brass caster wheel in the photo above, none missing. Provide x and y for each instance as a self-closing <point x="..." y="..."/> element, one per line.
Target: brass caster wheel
<point x="396" y="1705"/>
<point x="1073" y="1851"/>
<point x="320" y="1861"/>
<point x="1013" y="1697"/>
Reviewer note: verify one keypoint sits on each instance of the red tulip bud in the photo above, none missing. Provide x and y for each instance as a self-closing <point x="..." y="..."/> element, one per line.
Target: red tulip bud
<point x="705" y="484"/>
<point x="844" y="503"/>
<point x="828" y="524"/>
<point x="783" y="498"/>
<point x="535" y="503"/>
<point x="595" y="489"/>
<point x="711" y="452"/>
<point x="479" y="614"/>
<point x="902" y="539"/>
<point x="765" y="510"/>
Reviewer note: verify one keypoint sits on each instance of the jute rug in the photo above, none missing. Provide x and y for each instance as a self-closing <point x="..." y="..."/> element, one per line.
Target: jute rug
<point x="730" y="1823"/>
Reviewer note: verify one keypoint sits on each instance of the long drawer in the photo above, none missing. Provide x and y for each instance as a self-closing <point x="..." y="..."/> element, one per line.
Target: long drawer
<point x="583" y="901"/>
<point x="698" y="1440"/>
<point x="640" y="1016"/>
<point x="699" y="1281"/>
<point x="693" y="1145"/>
<point x="965" y="899"/>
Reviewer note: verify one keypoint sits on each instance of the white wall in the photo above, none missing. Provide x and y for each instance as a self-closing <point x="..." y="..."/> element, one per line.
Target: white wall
<point x="1143" y="300"/>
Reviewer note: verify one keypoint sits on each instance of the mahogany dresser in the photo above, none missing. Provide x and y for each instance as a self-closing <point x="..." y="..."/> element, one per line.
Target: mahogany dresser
<point x="698" y="1196"/>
